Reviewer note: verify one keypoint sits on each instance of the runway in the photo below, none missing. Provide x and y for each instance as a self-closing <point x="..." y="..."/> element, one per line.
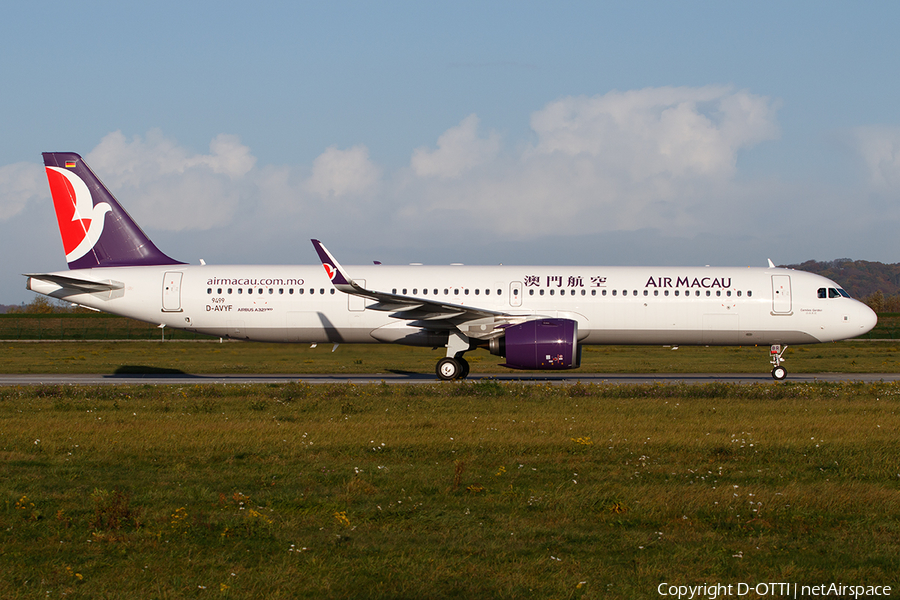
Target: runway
<point x="399" y="378"/>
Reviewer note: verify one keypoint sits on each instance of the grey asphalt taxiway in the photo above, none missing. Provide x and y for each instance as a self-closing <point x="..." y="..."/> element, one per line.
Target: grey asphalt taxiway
<point x="423" y="378"/>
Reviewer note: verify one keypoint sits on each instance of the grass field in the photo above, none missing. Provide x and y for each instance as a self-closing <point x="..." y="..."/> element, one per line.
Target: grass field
<point x="243" y="357"/>
<point x="466" y="490"/>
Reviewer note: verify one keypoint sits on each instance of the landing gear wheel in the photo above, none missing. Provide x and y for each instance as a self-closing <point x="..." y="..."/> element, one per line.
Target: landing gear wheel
<point x="449" y="368"/>
<point x="465" y="367"/>
<point x="779" y="373"/>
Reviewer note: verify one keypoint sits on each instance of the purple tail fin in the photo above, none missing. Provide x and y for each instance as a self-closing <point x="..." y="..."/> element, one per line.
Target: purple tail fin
<point x="96" y="231"/>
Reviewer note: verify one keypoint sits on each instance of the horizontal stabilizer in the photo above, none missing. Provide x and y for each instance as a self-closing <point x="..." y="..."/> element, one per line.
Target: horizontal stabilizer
<point x="73" y="283"/>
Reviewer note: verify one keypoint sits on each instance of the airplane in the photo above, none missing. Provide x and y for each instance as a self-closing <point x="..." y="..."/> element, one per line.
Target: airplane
<point x="536" y="317"/>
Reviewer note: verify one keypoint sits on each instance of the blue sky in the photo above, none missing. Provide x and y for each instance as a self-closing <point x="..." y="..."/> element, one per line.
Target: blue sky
<point x="515" y="132"/>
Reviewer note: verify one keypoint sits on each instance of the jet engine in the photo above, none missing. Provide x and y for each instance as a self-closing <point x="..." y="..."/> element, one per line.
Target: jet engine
<point x="540" y="344"/>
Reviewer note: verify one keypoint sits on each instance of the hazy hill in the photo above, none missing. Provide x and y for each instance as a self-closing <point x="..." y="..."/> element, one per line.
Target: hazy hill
<point x="860" y="278"/>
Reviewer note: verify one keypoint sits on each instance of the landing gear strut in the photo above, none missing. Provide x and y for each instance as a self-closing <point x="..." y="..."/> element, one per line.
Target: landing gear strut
<point x="775" y="353"/>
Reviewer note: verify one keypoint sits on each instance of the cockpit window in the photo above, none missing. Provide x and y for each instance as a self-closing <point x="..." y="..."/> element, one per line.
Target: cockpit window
<point x="832" y="293"/>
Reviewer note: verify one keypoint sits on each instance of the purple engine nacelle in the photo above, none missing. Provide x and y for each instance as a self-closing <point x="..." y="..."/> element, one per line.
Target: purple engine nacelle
<point x="540" y="344"/>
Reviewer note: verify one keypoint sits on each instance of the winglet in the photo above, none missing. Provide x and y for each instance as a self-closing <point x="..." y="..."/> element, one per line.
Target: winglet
<point x="333" y="268"/>
<point x="771" y="264"/>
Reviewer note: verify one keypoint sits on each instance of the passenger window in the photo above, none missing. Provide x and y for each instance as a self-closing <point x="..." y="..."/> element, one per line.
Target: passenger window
<point x="739" y="293"/>
<point x="271" y="291"/>
<point x="677" y="292"/>
<point x="209" y="290"/>
<point x="404" y="291"/>
<point x="542" y="292"/>
<point x="656" y="292"/>
<point x="646" y="293"/>
<point x="718" y="292"/>
<point x="531" y="292"/>
<point x="477" y="291"/>
<point x="593" y="292"/>
<point x="552" y="292"/>
<point x="583" y="292"/>
<point x="749" y="293"/>
<point x="635" y="293"/>
<point x="240" y="290"/>
<point x="615" y="292"/>
<point x="249" y="290"/>
<point x="332" y="291"/>
<point x="322" y="290"/>
<point x="300" y="291"/>
<point x="229" y="290"/>
<point x="728" y="293"/>
<point x="291" y="291"/>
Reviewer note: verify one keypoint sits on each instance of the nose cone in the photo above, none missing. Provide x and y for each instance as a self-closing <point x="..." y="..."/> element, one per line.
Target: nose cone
<point x="865" y="319"/>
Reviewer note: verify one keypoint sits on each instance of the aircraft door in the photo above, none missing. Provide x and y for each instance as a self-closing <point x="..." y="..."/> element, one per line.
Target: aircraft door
<point x="171" y="300"/>
<point x="515" y="293"/>
<point x="781" y="294"/>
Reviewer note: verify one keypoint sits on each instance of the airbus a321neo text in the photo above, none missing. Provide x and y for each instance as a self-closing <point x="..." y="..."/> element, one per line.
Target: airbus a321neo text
<point x="536" y="317"/>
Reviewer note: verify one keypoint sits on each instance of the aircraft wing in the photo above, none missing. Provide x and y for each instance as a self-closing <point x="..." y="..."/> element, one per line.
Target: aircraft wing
<point x="423" y="312"/>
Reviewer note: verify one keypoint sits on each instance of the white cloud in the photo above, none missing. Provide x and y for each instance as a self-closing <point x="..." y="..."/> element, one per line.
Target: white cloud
<point x="20" y="183"/>
<point x="167" y="187"/>
<point x="680" y="132"/>
<point x="459" y="149"/>
<point x="657" y="157"/>
<point x="879" y="148"/>
<point x="337" y="173"/>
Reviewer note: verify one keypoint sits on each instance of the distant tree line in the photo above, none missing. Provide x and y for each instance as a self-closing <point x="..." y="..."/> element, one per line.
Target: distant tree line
<point x="877" y="284"/>
<point x="42" y="305"/>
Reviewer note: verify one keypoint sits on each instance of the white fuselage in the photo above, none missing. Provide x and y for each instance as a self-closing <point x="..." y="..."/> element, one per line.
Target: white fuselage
<point x="612" y="305"/>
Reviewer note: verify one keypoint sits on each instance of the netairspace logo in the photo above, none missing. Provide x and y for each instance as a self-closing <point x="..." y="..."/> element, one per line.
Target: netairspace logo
<point x="771" y="590"/>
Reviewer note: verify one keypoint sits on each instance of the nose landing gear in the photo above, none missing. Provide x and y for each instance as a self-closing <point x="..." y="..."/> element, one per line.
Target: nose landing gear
<point x="776" y="358"/>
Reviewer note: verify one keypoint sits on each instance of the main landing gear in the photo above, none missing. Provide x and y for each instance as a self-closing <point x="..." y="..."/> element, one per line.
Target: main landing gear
<point x="451" y="368"/>
<point x="454" y="366"/>
<point x="776" y="358"/>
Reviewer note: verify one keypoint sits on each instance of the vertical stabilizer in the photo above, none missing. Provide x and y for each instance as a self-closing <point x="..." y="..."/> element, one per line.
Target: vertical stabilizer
<point x="96" y="231"/>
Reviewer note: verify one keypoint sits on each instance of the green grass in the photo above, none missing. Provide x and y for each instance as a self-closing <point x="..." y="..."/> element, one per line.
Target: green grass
<point x="242" y="357"/>
<point x="447" y="490"/>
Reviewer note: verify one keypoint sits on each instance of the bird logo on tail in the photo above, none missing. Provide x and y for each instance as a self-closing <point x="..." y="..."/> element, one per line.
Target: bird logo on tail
<point x="80" y="221"/>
